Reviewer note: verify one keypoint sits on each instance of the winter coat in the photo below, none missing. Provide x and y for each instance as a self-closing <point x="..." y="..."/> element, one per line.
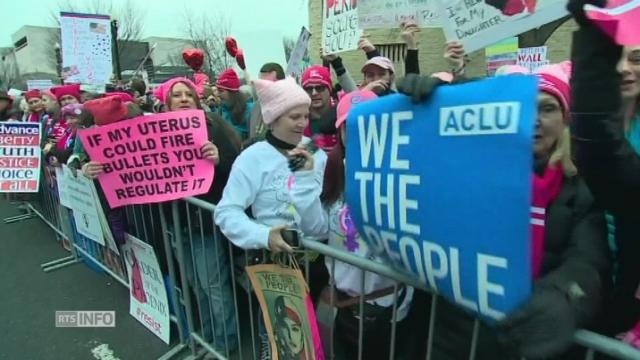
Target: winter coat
<point x="607" y="161"/>
<point x="575" y="252"/>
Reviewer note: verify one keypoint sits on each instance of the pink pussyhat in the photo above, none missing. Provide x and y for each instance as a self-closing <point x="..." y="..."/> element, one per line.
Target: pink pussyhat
<point x="554" y="80"/>
<point x="162" y="92"/>
<point x="278" y="97"/>
<point x="349" y="101"/>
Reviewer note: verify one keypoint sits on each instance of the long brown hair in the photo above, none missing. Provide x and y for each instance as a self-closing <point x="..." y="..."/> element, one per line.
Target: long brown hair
<point x="333" y="185"/>
<point x="237" y="103"/>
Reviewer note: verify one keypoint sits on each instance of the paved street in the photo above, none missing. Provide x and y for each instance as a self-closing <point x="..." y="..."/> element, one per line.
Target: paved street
<point x="29" y="298"/>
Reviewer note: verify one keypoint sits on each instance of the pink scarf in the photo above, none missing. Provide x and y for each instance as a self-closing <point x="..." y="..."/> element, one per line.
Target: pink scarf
<point x="545" y="190"/>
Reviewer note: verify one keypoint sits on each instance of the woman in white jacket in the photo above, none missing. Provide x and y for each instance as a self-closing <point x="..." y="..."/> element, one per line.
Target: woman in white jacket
<point x="261" y="176"/>
<point x="324" y="214"/>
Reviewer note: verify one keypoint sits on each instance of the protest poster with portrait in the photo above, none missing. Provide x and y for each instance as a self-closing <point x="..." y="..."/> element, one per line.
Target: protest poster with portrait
<point x="288" y="312"/>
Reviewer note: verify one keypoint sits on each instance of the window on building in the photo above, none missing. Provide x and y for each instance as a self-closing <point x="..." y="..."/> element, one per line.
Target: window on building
<point x="20" y="43"/>
<point x="395" y="52"/>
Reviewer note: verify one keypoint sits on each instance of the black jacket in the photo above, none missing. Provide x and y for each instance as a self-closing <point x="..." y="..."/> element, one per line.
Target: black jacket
<point x="607" y="161"/>
<point x="575" y="252"/>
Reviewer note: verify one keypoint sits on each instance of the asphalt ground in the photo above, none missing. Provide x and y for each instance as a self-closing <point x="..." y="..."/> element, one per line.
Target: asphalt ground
<point x="29" y="298"/>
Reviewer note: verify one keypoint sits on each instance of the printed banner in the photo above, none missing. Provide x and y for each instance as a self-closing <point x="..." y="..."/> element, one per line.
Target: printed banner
<point x="152" y="158"/>
<point x="533" y="57"/>
<point x="479" y="23"/>
<point x="502" y="53"/>
<point x="19" y="157"/>
<point x="449" y="200"/>
<point x="376" y="14"/>
<point x="340" y="31"/>
<point x="288" y="312"/>
<point x="294" y="66"/>
<point x="148" y="297"/>
<point x="86" y="48"/>
<point x="39" y="84"/>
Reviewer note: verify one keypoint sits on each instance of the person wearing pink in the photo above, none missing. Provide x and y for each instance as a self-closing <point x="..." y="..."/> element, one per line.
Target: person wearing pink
<point x="325" y="215"/>
<point x="570" y="257"/>
<point x="316" y="81"/>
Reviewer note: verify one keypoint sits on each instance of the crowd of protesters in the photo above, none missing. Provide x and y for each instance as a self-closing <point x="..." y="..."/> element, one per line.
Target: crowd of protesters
<point x="279" y="152"/>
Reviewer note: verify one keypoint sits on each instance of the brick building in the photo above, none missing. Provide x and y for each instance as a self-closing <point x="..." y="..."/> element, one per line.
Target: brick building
<point x="431" y="45"/>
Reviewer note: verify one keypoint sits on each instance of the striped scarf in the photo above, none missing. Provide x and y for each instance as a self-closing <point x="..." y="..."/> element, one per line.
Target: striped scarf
<point x="545" y="190"/>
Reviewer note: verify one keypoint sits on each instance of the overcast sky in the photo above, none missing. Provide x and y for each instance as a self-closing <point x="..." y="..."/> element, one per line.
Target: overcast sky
<point x="165" y="17"/>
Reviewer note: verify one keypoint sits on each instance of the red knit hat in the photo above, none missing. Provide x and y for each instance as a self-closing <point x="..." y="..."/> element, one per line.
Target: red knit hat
<point x="317" y="74"/>
<point x="62" y="90"/>
<point x="122" y="95"/>
<point x="31" y="94"/>
<point x="107" y="110"/>
<point x="228" y="80"/>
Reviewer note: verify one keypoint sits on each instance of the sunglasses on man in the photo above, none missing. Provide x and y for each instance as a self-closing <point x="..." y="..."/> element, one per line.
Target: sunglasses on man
<point x="317" y="88"/>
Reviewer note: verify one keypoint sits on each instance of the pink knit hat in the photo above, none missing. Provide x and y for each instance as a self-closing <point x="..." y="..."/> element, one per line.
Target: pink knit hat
<point x="162" y="91"/>
<point x="554" y="80"/>
<point x="349" y="101"/>
<point x="278" y="97"/>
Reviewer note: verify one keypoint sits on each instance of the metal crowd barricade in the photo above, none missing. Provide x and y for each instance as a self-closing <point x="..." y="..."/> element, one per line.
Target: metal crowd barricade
<point x="206" y="261"/>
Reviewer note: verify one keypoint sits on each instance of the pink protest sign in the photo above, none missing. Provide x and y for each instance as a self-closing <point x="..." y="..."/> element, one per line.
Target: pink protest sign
<point x="152" y="158"/>
<point x="619" y="20"/>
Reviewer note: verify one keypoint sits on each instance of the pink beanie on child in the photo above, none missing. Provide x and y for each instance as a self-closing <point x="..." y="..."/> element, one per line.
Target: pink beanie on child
<point x="278" y="97"/>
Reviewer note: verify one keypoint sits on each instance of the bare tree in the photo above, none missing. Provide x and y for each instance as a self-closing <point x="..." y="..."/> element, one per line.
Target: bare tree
<point x="209" y="36"/>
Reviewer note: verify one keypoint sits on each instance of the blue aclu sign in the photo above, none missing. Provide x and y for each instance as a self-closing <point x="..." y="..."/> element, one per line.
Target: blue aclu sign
<point x="442" y="188"/>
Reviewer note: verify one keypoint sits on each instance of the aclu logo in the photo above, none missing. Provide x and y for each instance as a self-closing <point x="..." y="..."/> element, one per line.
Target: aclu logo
<point x="85" y="319"/>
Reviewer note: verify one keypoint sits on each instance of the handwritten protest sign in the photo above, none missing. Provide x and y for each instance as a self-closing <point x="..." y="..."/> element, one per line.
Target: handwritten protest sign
<point x="502" y="53"/>
<point x="19" y="157"/>
<point x="294" y="66"/>
<point x="374" y="14"/>
<point x="449" y="200"/>
<point x="479" y="23"/>
<point x="152" y="158"/>
<point x="86" y="48"/>
<point x="340" y="31"/>
<point x="533" y="57"/>
<point x="288" y="312"/>
<point x="148" y="296"/>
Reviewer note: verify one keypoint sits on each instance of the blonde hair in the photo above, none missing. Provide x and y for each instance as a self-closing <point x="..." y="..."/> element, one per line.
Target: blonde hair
<point x="562" y="154"/>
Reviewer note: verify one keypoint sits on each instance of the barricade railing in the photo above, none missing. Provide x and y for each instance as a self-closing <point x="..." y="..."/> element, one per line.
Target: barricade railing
<point x="207" y="278"/>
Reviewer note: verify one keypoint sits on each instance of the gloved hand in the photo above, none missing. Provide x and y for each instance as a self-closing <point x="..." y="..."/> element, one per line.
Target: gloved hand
<point x="576" y="8"/>
<point x="542" y="327"/>
<point x="418" y="87"/>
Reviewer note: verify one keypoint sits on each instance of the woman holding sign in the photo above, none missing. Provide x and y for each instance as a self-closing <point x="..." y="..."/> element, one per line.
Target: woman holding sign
<point x="606" y="127"/>
<point x="570" y="263"/>
<point x="324" y="214"/>
<point x="262" y="177"/>
<point x="211" y="262"/>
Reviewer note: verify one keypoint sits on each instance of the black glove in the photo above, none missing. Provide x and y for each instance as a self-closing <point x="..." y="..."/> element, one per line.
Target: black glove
<point x="418" y="87"/>
<point x="543" y="327"/>
<point x="576" y="8"/>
